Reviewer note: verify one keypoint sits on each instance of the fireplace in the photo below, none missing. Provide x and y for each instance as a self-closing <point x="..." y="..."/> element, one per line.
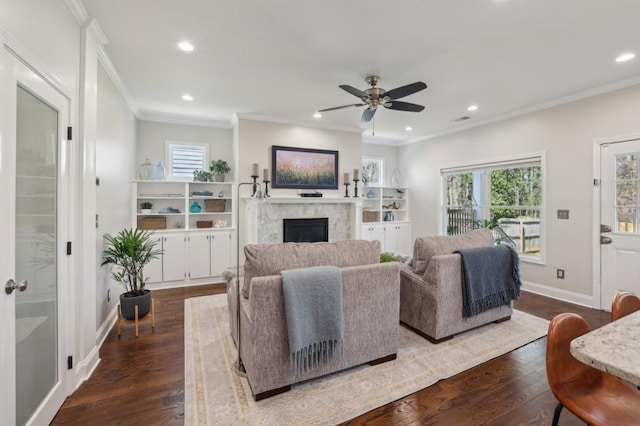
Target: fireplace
<point x="305" y="230"/>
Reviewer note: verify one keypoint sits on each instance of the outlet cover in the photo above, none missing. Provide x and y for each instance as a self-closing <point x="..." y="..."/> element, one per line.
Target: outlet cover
<point x="560" y="274"/>
<point x="563" y="214"/>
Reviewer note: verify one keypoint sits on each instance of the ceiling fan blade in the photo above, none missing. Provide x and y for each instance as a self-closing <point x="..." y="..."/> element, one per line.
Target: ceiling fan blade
<point x="409" y="89"/>
<point x="355" y="92"/>
<point x="340" y="107"/>
<point x="404" y="106"/>
<point x="367" y="114"/>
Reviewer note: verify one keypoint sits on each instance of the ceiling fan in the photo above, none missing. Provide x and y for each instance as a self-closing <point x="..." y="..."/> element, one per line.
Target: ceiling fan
<point x="374" y="97"/>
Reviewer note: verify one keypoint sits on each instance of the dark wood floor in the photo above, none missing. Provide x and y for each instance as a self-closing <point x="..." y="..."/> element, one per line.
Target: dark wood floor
<point x="141" y="380"/>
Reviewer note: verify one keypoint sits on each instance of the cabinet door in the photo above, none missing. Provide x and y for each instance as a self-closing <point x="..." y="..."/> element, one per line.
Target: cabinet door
<point x="173" y="260"/>
<point x="403" y="238"/>
<point x="390" y="238"/>
<point x="153" y="270"/>
<point x="373" y="232"/>
<point x="198" y="254"/>
<point x="220" y="252"/>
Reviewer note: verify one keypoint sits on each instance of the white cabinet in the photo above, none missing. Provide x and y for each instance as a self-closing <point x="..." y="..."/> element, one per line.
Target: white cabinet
<point x="221" y="248"/>
<point x="198" y="252"/>
<point x="174" y="266"/>
<point x="394" y="237"/>
<point x="153" y="270"/>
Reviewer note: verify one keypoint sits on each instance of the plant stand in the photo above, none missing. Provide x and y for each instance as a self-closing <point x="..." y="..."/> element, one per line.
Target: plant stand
<point x="150" y="317"/>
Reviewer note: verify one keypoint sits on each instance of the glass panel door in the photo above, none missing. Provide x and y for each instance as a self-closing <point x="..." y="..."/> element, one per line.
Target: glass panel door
<point x="36" y="321"/>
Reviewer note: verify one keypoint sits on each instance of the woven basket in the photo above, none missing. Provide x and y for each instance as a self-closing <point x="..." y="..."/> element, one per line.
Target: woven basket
<point x="153" y="223"/>
<point x="215" y="206"/>
<point x="204" y="223"/>
<point x="369" y="216"/>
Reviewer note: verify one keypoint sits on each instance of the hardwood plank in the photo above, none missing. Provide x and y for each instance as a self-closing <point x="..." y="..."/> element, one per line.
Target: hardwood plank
<point x="141" y="380"/>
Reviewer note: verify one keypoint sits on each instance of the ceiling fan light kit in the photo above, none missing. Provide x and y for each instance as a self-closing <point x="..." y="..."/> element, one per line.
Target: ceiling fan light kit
<point x="374" y="97"/>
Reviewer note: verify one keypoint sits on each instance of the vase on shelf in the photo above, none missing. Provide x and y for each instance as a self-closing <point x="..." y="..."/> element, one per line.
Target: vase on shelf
<point x="146" y="170"/>
<point x="195" y="207"/>
<point x="396" y="177"/>
<point x="159" y="171"/>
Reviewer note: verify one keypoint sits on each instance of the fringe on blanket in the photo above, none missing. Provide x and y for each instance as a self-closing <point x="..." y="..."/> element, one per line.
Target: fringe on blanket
<point x="315" y="356"/>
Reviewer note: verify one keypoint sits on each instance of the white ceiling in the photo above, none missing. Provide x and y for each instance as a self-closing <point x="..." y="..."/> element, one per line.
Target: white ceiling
<point x="283" y="60"/>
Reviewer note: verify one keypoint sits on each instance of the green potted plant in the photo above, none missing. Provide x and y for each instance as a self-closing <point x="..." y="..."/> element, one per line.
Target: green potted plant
<point x="129" y="251"/>
<point x="219" y="168"/>
<point x="202" y="176"/>
<point x="145" y="207"/>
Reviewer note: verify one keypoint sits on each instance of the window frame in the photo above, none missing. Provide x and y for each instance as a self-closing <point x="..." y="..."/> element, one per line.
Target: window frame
<point x="514" y="161"/>
<point x="169" y="158"/>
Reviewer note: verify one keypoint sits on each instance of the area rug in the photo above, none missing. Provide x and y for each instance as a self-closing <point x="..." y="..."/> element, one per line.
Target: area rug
<point x="215" y="395"/>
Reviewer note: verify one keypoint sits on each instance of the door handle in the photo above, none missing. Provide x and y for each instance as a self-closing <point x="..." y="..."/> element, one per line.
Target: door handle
<point x="11" y="285"/>
<point x="605" y="228"/>
<point x="605" y="240"/>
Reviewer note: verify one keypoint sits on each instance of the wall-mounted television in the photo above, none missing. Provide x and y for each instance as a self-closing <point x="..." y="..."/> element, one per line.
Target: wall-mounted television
<point x="303" y="168"/>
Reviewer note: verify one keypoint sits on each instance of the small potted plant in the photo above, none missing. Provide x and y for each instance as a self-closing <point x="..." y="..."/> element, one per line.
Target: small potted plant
<point x="145" y="207"/>
<point x="129" y="251"/>
<point x="219" y="168"/>
<point x="202" y="176"/>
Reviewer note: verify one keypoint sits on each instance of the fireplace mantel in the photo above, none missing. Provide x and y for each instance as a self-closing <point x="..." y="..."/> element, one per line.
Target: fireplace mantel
<point x="344" y="214"/>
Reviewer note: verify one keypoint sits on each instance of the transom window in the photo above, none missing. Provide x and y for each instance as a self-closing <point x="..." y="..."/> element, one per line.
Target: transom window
<point x="505" y="196"/>
<point x="185" y="157"/>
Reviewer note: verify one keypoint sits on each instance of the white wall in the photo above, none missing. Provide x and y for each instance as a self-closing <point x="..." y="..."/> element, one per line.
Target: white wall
<point x="115" y="163"/>
<point x="386" y="152"/>
<point x="566" y="133"/>
<point x="151" y="137"/>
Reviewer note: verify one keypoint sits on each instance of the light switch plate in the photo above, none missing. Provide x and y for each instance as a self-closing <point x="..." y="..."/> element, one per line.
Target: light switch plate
<point x="563" y="214"/>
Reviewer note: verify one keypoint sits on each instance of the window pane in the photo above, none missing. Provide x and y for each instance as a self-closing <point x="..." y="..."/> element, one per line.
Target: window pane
<point x="521" y="228"/>
<point x="627" y="219"/>
<point x="459" y="189"/>
<point x="185" y="159"/>
<point x="627" y="193"/>
<point x="627" y="166"/>
<point x="521" y="186"/>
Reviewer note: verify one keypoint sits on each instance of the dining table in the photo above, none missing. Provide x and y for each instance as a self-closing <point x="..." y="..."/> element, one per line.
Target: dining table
<point x="613" y="348"/>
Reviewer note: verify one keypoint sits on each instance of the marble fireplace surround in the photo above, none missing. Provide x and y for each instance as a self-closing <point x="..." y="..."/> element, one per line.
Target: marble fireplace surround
<point x="344" y="215"/>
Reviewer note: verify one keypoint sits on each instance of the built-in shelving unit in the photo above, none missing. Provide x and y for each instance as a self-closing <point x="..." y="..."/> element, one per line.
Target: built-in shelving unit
<point x="384" y="204"/>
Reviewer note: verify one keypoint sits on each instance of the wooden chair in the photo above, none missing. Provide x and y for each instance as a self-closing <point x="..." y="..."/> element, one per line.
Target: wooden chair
<point x="595" y="397"/>
<point x="624" y="303"/>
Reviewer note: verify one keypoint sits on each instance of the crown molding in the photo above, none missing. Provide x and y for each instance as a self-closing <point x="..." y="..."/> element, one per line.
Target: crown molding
<point x="97" y="32"/>
<point x="111" y="71"/>
<point x="539" y="107"/>
<point x="79" y="11"/>
<point x="159" y="117"/>
<point x="280" y="120"/>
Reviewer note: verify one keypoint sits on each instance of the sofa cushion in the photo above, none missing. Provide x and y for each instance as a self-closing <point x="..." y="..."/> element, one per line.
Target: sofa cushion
<point x="427" y="247"/>
<point x="270" y="259"/>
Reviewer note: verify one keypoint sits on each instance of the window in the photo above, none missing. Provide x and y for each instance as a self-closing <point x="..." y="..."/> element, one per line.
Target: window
<point x="183" y="158"/>
<point x="372" y="171"/>
<point x="506" y="196"/>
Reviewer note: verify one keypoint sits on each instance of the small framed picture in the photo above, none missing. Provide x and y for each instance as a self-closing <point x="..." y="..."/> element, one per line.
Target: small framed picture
<point x="373" y="171"/>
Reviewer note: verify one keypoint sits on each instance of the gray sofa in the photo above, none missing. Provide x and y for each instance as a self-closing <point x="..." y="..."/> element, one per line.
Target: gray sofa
<point x="371" y="297"/>
<point x="431" y="288"/>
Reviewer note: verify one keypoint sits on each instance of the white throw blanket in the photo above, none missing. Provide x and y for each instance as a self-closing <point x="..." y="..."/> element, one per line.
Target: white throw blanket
<point x="313" y="307"/>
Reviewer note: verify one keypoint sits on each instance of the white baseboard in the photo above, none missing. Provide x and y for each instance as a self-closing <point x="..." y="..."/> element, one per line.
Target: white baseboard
<point x="106" y="326"/>
<point x="85" y="368"/>
<point x="556" y="293"/>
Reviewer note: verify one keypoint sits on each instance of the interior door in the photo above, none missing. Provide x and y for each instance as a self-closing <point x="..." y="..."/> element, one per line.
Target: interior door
<point x="620" y="213"/>
<point x="33" y="182"/>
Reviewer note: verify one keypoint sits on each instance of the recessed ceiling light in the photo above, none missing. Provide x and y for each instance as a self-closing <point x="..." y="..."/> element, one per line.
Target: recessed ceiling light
<point x="186" y="46"/>
<point x="187" y="97"/>
<point x="472" y="107"/>
<point x="408" y="128"/>
<point x="317" y="115"/>
<point x="625" y="57"/>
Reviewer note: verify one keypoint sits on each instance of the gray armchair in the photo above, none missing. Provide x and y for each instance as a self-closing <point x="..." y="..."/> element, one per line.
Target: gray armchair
<point x="431" y="289"/>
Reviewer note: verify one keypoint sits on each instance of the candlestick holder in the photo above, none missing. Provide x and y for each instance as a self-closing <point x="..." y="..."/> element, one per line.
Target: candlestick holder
<point x="266" y="188"/>
<point x="255" y="184"/>
<point x="355" y="188"/>
<point x="346" y="189"/>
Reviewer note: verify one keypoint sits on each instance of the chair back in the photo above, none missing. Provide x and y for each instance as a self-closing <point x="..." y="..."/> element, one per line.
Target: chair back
<point x="624" y="303"/>
<point x="562" y="367"/>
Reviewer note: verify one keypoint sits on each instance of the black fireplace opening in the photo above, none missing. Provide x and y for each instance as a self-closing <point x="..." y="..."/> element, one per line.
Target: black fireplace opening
<point x="306" y="230"/>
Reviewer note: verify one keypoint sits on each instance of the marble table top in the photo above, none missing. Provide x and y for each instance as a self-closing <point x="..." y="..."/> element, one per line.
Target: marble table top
<point x="613" y="348"/>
